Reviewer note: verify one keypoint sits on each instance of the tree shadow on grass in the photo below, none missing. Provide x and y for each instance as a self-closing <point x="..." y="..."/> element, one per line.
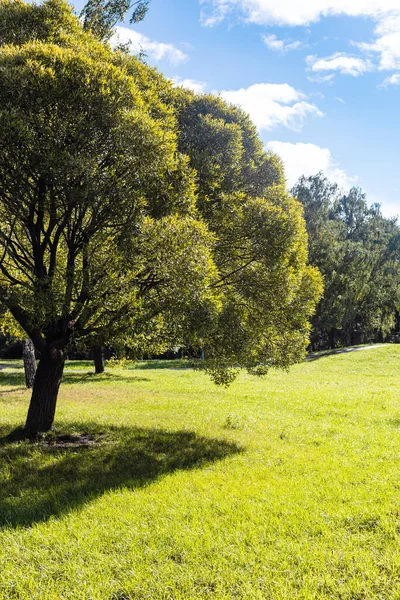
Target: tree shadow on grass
<point x="11" y="365"/>
<point x="56" y="475"/>
<point x="14" y="390"/>
<point x="156" y="364"/>
<point x="11" y="379"/>
<point x="71" y="377"/>
<point x="325" y="353"/>
<point x="17" y="380"/>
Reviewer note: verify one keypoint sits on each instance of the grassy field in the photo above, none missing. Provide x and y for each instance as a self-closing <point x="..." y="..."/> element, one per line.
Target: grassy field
<point x="282" y="488"/>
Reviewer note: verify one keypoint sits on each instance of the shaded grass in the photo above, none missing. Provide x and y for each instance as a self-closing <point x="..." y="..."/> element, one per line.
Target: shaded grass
<point x="346" y="350"/>
<point x="139" y="364"/>
<point x="160" y="504"/>
<point x="55" y="475"/>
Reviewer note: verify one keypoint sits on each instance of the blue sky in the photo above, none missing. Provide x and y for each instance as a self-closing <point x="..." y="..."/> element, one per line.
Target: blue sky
<point x="320" y="78"/>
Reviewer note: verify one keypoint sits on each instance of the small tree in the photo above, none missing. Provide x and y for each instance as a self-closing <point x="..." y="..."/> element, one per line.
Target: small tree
<point x="10" y="327"/>
<point x="261" y="250"/>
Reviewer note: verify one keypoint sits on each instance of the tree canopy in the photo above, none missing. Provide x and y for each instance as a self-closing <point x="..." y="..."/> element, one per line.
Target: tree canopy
<point x="261" y="239"/>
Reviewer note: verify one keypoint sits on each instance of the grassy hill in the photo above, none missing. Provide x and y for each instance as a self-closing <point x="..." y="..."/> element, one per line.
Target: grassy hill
<point x="161" y="485"/>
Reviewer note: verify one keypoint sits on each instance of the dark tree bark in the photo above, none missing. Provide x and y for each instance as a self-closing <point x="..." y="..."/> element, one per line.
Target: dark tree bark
<point x="98" y="359"/>
<point x="332" y="339"/>
<point x="28" y="354"/>
<point x="45" y="390"/>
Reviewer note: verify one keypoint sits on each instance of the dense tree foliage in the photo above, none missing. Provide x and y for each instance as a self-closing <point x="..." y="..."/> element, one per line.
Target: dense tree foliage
<point x="358" y="252"/>
<point x="132" y="210"/>
<point x="260" y="246"/>
<point x="261" y="240"/>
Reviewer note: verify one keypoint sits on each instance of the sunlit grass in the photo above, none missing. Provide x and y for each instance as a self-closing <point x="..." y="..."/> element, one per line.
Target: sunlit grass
<point x="282" y="488"/>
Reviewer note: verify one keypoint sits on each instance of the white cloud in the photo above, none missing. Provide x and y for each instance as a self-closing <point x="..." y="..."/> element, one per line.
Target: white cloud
<point x="216" y="16"/>
<point x="199" y="87"/>
<point x="273" y="43"/>
<point x="386" y="14"/>
<point x="329" y="79"/>
<point x="141" y="43"/>
<point x="309" y="159"/>
<point x="392" y="80"/>
<point x="293" y="12"/>
<point x="341" y="62"/>
<point x="387" y="43"/>
<point x="271" y="104"/>
<point x="268" y="104"/>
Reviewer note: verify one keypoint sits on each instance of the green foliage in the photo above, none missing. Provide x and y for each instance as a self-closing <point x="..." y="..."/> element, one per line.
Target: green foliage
<point x="114" y="362"/>
<point x="8" y="325"/>
<point x="224" y="148"/>
<point x="357" y="251"/>
<point x="51" y="21"/>
<point x="86" y="173"/>
<point x="268" y="291"/>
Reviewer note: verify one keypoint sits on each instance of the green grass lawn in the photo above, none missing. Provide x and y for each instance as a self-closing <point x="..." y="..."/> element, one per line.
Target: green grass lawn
<point x="282" y="488"/>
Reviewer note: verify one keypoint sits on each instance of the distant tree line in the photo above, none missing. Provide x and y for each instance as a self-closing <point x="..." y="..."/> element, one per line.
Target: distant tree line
<point x="357" y="251"/>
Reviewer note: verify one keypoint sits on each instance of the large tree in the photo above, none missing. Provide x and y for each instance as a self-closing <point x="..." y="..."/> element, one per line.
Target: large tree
<point x="97" y="211"/>
<point x="109" y="231"/>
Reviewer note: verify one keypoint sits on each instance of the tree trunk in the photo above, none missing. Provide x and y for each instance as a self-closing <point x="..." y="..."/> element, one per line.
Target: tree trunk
<point x="45" y="391"/>
<point x="28" y="354"/>
<point x="98" y="359"/>
<point x="332" y="341"/>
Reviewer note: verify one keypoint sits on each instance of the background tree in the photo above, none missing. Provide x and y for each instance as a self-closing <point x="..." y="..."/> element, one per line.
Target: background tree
<point x="29" y="358"/>
<point x="101" y="16"/>
<point x="358" y="251"/>
<point x="10" y="328"/>
<point x="98" y="355"/>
